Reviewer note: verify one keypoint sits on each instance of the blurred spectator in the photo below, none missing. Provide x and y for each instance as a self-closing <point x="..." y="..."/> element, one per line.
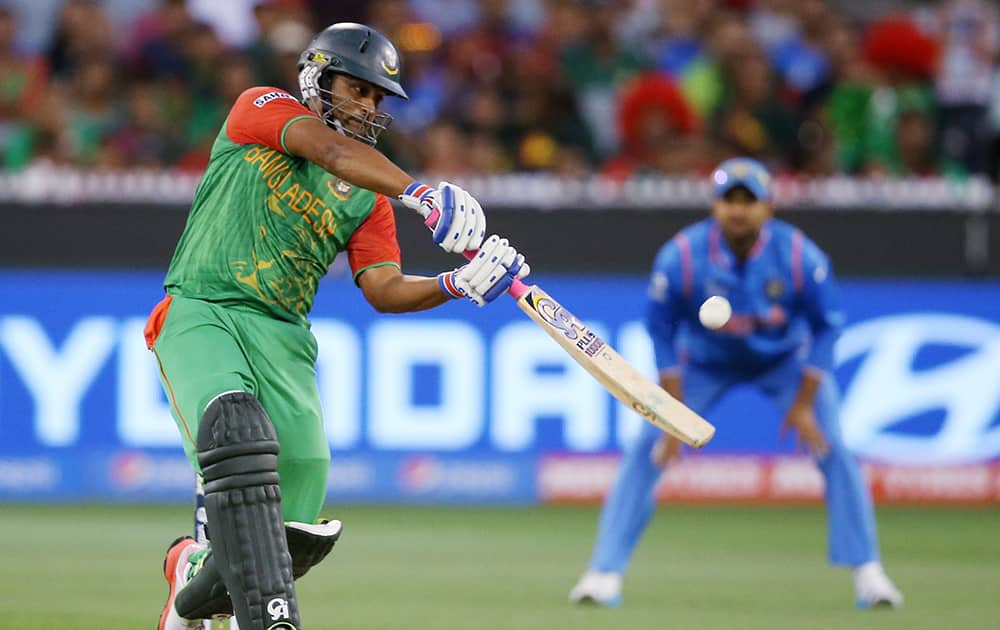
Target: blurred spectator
<point x="968" y="32"/>
<point x="283" y="32"/>
<point x="561" y="86"/>
<point x="846" y="111"/>
<point x="903" y="139"/>
<point x="727" y="37"/>
<point x="683" y="51"/>
<point x="288" y="39"/>
<point x="22" y="88"/>
<point x="93" y="110"/>
<point x="659" y="130"/>
<point x="143" y="140"/>
<point x="450" y="16"/>
<point x="204" y="56"/>
<point x="429" y="84"/>
<point x="479" y="53"/>
<point x="596" y="66"/>
<point x="799" y="58"/>
<point x="486" y="155"/>
<point x="900" y="50"/>
<point x="231" y="75"/>
<point x="155" y="46"/>
<point x="540" y="110"/>
<point x="900" y="134"/>
<point x="232" y="20"/>
<point x="443" y="151"/>
<point x="752" y="120"/>
<point x="83" y="31"/>
<point x="773" y="22"/>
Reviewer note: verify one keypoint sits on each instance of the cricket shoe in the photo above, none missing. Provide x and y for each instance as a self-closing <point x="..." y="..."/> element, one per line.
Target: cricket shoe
<point x="874" y="589"/>
<point x="177" y="571"/>
<point x="598" y="588"/>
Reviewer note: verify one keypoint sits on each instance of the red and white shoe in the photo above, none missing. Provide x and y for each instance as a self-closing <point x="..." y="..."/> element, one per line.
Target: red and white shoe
<point x="176" y="570"/>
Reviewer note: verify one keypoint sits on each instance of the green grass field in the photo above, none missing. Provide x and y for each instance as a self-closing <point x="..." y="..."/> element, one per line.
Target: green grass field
<point x="98" y="568"/>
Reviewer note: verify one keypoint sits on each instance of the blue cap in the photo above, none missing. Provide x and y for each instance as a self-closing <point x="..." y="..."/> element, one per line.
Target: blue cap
<point x="742" y="171"/>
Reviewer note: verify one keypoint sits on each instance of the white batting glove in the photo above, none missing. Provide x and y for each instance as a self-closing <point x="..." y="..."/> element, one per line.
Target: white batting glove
<point x="488" y="275"/>
<point x="457" y="219"/>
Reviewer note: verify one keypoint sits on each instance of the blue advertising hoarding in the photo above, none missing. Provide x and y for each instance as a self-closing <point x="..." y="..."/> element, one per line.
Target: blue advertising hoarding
<point x="459" y="404"/>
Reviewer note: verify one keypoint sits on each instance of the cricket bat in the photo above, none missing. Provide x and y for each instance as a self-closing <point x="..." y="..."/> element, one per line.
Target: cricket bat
<point x="611" y="370"/>
<point x="616" y="374"/>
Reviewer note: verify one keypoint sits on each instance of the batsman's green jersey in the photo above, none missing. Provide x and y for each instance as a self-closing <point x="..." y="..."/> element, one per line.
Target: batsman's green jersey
<point x="263" y="229"/>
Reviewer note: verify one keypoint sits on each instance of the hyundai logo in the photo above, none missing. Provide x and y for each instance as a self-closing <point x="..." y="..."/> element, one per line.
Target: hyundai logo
<point x="956" y="384"/>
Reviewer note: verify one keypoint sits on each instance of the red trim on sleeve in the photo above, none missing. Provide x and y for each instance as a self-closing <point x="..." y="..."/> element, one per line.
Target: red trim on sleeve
<point x="260" y="114"/>
<point x="155" y="322"/>
<point x="375" y="239"/>
<point x="797" y="260"/>
<point x="687" y="263"/>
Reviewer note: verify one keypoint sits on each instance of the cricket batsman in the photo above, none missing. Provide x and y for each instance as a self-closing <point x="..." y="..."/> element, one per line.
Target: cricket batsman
<point x="292" y="183"/>
<point x="785" y="319"/>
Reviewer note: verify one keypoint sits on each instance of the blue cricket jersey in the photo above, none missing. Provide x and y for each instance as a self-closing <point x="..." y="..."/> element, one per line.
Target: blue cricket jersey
<point x="784" y="300"/>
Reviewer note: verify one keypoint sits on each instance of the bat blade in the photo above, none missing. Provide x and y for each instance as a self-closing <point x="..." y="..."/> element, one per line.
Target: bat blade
<point x="625" y="382"/>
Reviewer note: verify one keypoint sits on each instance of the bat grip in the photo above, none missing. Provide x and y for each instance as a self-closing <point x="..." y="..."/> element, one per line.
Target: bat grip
<point x="517" y="288"/>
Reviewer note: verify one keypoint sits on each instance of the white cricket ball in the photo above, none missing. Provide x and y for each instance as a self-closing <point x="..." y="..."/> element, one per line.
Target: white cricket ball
<point x="715" y="312"/>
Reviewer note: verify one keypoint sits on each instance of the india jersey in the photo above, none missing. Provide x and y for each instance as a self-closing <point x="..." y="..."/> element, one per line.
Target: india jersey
<point x="265" y="225"/>
<point x="783" y="295"/>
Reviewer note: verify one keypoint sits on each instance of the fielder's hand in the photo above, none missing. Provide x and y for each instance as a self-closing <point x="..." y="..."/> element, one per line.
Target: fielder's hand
<point x="457" y="219"/>
<point x="487" y="275"/>
<point x="802" y="418"/>
<point x="666" y="451"/>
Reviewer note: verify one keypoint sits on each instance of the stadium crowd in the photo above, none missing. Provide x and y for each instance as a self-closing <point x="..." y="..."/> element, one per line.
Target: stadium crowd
<point x="564" y="86"/>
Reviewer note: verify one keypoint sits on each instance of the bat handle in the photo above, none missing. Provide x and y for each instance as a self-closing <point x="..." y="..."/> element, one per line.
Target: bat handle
<point x="517" y="288"/>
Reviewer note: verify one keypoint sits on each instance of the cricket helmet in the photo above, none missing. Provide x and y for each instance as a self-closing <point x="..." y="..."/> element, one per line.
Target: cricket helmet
<point x="354" y="50"/>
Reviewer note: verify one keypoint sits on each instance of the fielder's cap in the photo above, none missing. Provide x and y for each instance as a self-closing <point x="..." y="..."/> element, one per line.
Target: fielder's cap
<point x="745" y="172"/>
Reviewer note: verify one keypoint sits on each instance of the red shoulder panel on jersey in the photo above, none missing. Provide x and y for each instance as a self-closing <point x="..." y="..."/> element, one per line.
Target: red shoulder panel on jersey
<point x="375" y="239"/>
<point x="260" y="114"/>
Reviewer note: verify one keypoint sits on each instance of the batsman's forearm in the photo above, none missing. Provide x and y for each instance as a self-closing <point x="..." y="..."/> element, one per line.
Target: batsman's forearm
<point x="406" y="294"/>
<point x="365" y="167"/>
<point x="345" y="157"/>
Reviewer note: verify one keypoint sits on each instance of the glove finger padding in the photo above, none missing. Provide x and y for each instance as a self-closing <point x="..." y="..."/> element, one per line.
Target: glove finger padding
<point x="491" y="272"/>
<point x="475" y="226"/>
<point x="445" y="202"/>
<point x="464" y="226"/>
<point x="465" y="275"/>
<point x="504" y="258"/>
<point x="524" y="271"/>
<point x="505" y="280"/>
<point x="485" y="261"/>
<point x="455" y="236"/>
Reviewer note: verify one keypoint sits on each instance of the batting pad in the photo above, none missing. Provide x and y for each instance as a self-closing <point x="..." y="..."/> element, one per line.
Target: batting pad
<point x="238" y="454"/>
<point x="310" y="543"/>
<point x="205" y="596"/>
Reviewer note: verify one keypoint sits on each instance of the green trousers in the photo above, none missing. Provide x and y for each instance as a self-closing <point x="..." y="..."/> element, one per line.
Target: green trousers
<point x="204" y="350"/>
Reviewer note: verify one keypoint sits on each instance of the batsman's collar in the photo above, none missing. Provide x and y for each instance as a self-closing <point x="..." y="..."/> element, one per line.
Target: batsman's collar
<point x="745" y="172"/>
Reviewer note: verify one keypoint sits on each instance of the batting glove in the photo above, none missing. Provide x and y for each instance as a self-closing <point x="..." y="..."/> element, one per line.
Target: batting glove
<point x="488" y="275"/>
<point x="455" y="217"/>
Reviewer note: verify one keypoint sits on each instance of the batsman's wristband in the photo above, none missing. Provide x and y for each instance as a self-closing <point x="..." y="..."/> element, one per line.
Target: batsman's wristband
<point x="446" y="282"/>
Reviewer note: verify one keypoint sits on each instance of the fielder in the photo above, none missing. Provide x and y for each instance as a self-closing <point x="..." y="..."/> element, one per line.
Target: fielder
<point x="290" y="185"/>
<point x="786" y="318"/>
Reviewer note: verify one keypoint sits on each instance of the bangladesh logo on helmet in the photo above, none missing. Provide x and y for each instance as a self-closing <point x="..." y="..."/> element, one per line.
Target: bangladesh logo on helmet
<point x="390" y="62"/>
